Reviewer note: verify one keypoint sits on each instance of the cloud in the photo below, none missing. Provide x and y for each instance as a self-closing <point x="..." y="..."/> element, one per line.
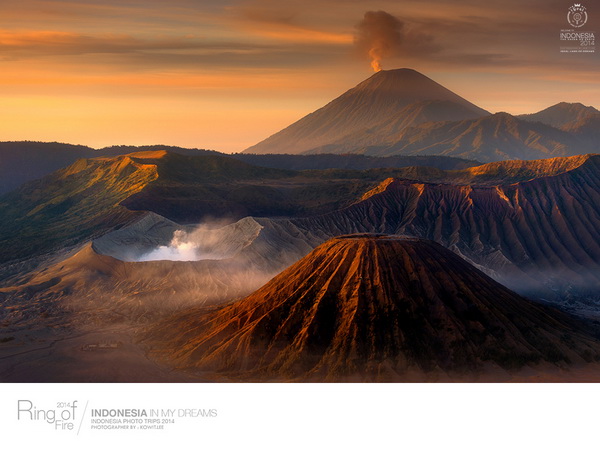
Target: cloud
<point x="52" y="43"/>
<point x="299" y="34"/>
<point x="218" y="62"/>
<point x="288" y="22"/>
<point x="170" y="53"/>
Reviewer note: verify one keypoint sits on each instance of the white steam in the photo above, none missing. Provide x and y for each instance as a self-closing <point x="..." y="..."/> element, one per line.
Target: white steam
<point x="205" y="242"/>
<point x="181" y="248"/>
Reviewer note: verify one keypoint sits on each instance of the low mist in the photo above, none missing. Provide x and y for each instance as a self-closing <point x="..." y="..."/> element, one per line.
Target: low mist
<point x="207" y="264"/>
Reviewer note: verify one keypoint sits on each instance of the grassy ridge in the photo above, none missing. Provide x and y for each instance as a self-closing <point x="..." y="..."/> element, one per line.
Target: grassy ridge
<point x="72" y="204"/>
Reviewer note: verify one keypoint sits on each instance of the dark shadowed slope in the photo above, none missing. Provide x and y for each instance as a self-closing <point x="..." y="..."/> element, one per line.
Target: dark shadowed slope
<point x="384" y="103"/>
<point x="352" y="161"/>
<point x="376" y="308"/>
<point x="587" y="130"/>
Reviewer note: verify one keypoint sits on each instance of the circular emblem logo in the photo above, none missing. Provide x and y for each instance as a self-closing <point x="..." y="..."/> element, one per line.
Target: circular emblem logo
<point x="577" y="15"/>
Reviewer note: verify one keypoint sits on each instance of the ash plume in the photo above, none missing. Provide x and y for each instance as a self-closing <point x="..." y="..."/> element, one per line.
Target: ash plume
<point x="379" y="35"/>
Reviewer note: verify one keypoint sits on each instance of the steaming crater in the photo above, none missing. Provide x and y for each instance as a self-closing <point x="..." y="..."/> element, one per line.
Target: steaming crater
<point x="202" y="243"/>
<point x="155" y="238"/>
<point x="179" y="249"/>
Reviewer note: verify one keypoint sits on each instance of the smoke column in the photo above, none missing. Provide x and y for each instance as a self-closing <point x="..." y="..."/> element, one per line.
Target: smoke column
<point x="379" y="35"/>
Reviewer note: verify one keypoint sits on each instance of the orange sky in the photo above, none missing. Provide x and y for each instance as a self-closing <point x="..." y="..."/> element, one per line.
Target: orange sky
<point x="225" y="75"/>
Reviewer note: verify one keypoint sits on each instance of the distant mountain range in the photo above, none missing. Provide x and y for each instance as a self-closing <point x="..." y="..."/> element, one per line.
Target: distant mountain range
<point x="396" y="118"/>
<point x="563" y="115"/>
<point x="25" y="161"/>
<point x="496" y="137"/>
<point x="402" y="112"/>
<point x="400" y="115"/>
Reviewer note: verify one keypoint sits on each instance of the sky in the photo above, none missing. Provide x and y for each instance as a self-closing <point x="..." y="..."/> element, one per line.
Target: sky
<point x="226" y="74"/>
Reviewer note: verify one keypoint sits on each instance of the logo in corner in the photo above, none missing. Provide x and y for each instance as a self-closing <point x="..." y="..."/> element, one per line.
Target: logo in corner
<point x="577" y="15"/>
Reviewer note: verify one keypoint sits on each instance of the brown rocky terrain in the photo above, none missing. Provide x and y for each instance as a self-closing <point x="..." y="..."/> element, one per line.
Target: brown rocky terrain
<point x="374" y="308"/>
<point x="537" y="234"/>
<point x="92" y="197"/>
<point x="532" y="225"/>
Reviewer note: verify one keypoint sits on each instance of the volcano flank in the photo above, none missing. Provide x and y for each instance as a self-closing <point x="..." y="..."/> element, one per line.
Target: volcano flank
<point x="374" y="110"/>
<point x="374" y="308"/>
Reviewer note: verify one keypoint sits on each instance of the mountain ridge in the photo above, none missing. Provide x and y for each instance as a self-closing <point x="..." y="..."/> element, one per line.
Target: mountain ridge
<point x="24" y="161"/>
<point x="538" y="236"/>
<point x="531" y="224"/>
<point x="561" y="115"/>
<point x="372" y="308"/>
<point x="93" y="196"/>
<point x="496" y="137"/>
<point x="402" y="112"/>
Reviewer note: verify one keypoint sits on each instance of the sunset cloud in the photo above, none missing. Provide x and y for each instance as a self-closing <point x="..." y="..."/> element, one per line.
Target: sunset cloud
<point x="257" y="57"/>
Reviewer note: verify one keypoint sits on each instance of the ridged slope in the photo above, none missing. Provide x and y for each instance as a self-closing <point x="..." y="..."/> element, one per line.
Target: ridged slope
<point x="385" y="132"/>
<point x="492" y="138"/>
<point x="369" y="307"/>
<point x="562" y="114"/>
<point x="587" y="130"/>
<point x="91" y="197"/>
<point x="372" y="103"/>
<point x="543" y="231"/>
<point x="75" y="203"/>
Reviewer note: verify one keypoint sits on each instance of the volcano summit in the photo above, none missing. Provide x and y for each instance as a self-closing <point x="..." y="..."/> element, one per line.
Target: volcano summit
<point x="371" y="112"/>
<point x="375" y="308"/>
<point x="403" y="112"/>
